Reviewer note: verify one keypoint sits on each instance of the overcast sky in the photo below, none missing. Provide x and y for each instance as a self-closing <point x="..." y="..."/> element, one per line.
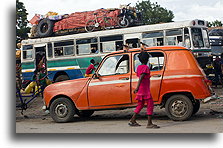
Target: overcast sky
<point x="209" y="10"/>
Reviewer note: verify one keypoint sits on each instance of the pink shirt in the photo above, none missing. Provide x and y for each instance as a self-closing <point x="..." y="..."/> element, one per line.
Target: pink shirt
<point x="144" y="88"/>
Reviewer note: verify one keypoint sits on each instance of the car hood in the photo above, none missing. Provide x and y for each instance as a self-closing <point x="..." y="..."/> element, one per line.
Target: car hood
<point x="67" y="85"/>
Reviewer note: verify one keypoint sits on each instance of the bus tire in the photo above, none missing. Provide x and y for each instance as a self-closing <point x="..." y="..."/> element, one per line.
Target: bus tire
<point x="61" y="78"/>
<point x="45" y="28"/>
<point x="62" y="110"/>
<point x="179" y="107"/>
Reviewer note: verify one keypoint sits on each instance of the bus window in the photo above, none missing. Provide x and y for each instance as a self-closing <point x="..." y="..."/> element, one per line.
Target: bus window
<point x="27" y="51"/>
<point x="58" y="51"/>
<point x="174" y="37"/>
<point x="156" y="37"/>
<point x="69" y="50"/>
<point x="206" y="39"/>
<point x="109" y="46"/>
<point x="149" y="42"/>
<point x="119" y="45"/>
<point x="111" y="43"/>
<point x="133" y="43"/>
<point x="197" y="37"/>
<point x="87" y="46"/>
<point x="50" y="50"/>
<point x="64" y="48"/>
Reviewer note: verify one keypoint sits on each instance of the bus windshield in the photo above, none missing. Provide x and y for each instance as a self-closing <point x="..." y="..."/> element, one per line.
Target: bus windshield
<point x="197" y="37"/>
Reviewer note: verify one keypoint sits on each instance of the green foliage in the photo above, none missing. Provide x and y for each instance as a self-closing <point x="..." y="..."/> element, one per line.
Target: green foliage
<point x="21" y="22"/>
<point x="215" y="23"/>
<point x="153" y="13"/>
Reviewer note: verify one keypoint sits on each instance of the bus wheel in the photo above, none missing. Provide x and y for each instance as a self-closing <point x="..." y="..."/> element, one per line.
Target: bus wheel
<point x="62" y="78"/>
<point x="84" y="113"/>
<point x="62" y="110"/>
<point x="45" y="28"/>
<point x="179" y="107"/>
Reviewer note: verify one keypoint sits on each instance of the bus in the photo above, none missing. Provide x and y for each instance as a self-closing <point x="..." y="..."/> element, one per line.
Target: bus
<point x="67" y="57"/>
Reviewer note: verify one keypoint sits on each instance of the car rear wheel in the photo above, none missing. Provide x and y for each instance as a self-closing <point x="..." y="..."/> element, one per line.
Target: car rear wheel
<point x="179" y="107"/>
<point x="62" y="110"/>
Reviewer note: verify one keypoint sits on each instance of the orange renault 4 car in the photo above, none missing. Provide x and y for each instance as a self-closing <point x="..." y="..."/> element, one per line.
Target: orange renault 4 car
<point x="177" y="83"/>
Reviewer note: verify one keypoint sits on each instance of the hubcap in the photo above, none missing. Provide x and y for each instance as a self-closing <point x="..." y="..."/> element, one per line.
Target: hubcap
<point x="123" y="22"/>
<point x="97" y="25"/>
<point x="179" y="108"/>
<point x="61" y="110"/>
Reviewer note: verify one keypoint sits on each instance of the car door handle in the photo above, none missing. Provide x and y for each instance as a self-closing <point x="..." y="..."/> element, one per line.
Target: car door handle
<point x="156" y="75"/>
<point x="124" y="78"/>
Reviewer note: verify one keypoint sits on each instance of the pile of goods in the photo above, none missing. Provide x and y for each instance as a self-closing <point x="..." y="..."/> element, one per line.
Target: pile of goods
<point x="53" y="24"/>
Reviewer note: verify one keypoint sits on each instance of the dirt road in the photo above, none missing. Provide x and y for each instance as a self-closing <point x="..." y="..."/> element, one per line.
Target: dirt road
<point x="209" y="119"/>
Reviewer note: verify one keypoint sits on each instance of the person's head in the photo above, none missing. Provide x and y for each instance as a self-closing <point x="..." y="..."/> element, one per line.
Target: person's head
<point x="143" y="57"/>
<point x="92" y="61"/>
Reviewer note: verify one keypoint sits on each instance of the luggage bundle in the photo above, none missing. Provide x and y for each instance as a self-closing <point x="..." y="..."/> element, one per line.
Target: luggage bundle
<point x="54" y="24"/>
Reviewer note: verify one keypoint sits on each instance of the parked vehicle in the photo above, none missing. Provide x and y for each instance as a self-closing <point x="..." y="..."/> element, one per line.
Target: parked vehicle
<point x="177" y="83"/>
<point x="216" y="41"/>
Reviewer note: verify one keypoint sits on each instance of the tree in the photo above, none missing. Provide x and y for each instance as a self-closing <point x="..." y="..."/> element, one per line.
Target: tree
<point x="215" y="23"/>
<point x="153" y="13"/>
<point x="21" y="22"/>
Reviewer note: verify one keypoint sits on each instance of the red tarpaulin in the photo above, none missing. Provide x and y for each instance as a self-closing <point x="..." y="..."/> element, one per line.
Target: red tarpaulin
<point x="79" y="19"/>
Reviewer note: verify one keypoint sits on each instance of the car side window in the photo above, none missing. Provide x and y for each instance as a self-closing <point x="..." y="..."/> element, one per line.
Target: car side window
<point x="156" y="61"/>
<point x="115" y="65"/>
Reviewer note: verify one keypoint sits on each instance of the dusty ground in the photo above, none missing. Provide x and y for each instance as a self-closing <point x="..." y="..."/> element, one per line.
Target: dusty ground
<point x="209" y="119"/>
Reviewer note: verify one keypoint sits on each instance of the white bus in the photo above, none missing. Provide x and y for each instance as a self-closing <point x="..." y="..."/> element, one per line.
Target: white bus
<point x="68" y="56"/>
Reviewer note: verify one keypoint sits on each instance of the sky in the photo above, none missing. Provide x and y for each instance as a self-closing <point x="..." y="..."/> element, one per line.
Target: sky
<point x="209" y="10"/>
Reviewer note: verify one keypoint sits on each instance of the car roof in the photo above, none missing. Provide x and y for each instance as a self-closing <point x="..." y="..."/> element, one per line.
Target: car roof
<point x="164" y="48"/>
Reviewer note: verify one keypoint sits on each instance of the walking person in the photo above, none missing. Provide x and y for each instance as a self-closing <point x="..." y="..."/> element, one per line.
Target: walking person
<point x="217" y="71"/>
<point x="143" y="94"/>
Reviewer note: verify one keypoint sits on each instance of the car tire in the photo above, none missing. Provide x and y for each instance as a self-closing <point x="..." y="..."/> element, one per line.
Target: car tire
<point x="179" y="107"/>
<point x="84" y="113"/>
<point x="62" y="110"/>
<point x="45" y="28"/>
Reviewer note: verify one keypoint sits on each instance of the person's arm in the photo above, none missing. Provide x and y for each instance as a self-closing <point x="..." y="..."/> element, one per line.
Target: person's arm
<point x="139" y="82"/>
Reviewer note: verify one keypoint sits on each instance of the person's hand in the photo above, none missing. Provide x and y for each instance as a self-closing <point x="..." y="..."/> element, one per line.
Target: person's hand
<point x="135" y="91"/>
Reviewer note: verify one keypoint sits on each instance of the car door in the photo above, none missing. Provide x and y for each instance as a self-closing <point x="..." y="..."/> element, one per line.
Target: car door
<point x="156" y="64"/>
<point x="112" y="87"/>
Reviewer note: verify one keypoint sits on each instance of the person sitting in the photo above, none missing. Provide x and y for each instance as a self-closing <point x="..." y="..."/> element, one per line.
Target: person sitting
<point x="90" y="68"/>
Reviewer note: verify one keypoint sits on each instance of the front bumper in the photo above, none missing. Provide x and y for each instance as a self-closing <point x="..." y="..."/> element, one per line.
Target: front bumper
<point x="211" y="98"/>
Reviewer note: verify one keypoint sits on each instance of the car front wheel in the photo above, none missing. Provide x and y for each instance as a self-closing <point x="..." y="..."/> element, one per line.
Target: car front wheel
<point x="179" y="107"/>
<point x="62" y="110"/>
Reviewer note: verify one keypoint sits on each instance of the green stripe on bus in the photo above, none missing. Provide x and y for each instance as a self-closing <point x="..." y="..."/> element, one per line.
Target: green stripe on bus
<point x="28" y="65"/>
<point x="62" y="63"/>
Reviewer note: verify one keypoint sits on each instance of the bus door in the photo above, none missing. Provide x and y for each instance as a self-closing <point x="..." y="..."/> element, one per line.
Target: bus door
<point x="133" y="40"/>
<point x="40" y="56"/>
